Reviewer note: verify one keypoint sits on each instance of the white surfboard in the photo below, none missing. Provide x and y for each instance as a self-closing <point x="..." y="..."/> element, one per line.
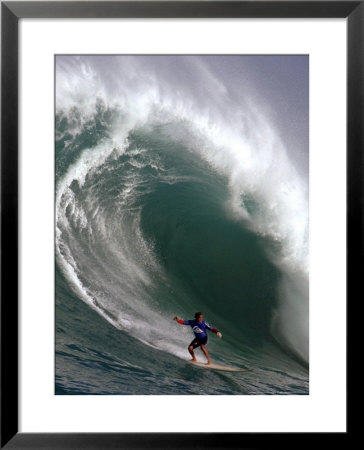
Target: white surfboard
<point x="218" y="367"/>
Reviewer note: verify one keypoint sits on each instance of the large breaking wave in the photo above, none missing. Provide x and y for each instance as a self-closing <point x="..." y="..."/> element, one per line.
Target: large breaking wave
<point x="176" y="194"/>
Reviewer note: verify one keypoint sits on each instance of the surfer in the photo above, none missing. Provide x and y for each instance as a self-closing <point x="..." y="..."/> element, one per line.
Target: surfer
<point x="199" y="327"/>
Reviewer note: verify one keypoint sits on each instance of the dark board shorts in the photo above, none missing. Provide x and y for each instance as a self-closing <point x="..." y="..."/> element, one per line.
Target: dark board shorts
<point x="197" y="342"/>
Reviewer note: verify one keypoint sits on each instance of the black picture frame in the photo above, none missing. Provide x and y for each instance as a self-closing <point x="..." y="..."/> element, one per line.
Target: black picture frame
<point x="11" y="12"/>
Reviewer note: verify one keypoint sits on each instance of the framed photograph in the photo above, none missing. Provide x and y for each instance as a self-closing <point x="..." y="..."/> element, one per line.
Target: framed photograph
<point x="180" y="211"/>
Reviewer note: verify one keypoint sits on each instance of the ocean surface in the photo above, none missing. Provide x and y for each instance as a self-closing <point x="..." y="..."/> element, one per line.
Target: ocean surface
<point x="175" y="194"/>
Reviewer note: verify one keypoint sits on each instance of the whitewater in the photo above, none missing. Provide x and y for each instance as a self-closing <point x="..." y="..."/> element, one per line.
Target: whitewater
<point x="176" y="192"/>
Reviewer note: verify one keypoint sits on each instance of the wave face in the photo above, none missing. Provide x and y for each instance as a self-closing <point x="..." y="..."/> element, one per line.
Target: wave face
<point x="175" y="193"/>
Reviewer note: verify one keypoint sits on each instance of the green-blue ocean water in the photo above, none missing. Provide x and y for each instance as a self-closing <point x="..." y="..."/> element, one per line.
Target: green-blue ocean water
<point x="155" y="218"/>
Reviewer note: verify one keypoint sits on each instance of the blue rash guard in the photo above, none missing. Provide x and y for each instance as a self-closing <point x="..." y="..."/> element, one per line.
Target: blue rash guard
<point x="199" y="328"/>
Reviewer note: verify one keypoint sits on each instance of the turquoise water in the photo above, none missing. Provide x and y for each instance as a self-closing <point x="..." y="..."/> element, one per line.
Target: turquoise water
<point x="146" y="229"/>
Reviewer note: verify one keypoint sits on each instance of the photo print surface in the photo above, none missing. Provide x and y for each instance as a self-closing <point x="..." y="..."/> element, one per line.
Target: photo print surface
<point x="181" y="228"/>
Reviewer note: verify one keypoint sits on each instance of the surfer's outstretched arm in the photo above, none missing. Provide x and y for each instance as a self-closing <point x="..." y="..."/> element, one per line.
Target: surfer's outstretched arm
<point x="214" y="330"/>
<point x="182" y="322"/>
